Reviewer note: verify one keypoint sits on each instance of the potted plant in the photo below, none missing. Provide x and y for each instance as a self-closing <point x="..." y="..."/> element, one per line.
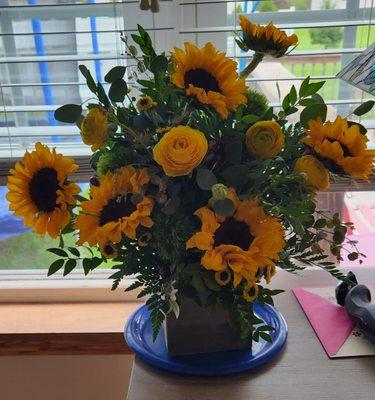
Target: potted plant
<point x="201" y="190"/>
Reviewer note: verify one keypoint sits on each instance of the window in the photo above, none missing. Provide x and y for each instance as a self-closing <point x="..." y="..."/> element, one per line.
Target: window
<point x="42" y="42"/>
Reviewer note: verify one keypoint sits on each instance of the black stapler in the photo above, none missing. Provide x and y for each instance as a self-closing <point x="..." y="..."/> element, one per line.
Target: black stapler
<point x="356" y="298"/>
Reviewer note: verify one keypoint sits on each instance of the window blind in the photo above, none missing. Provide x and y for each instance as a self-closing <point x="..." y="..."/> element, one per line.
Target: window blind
<point x="42" y="42"/>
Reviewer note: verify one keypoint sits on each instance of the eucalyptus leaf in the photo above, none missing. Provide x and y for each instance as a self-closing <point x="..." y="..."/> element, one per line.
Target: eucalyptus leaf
<point x="235" y="175"/>
<point x="224" y="207"/>
<point x="118" y="91"/>
<point x="69" y="113"/>
<point x="364" y="108"/>
<point x="233" y="152"/>
<point x="313" y="112"/>
<point x="205" y="179"/>
<point x="115" y="73"/>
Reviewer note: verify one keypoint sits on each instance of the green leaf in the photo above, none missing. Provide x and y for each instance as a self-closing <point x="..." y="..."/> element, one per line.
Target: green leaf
<point x="211" y="284"/>
<point x="241" y="45"/>
<point x="69" y="266"/>
<point x="55" y="266"/>
<point x="197" y="283"/>
<point x="86" y="265"/>
<point x="146" y="83"/>
<point x="205" y="179"/>
<point x="250" y="119"/>
<point x="265" y="336"/>
<point x="235" y="175"/>
<point x="303" y="87"/>
<point x="307" y="102"/>
<point x="364" y="108"/>
<point x="293" y="95"/>
<point x="313" y="88"/>
<point x="137" y="39"/>
<point x="83" y="69"/>
<point x="79" y="121"/>
<point x="171" y="206"/>
<point x="74" y="251"/>
<point x="224" y="207"/>
<point x="286" y="102"/>
<point x="233" y="152"/>
<point x="58" y="252"/>
<point x="115" y="73"/>
<point x="362" y="129"/>
<point x="101" y="95"/>
<point x="312" y="113"/>
<point x="159" y="64"/>
<point x="89" y="79"/>
<point x="320" y="223"/>
<point x="118" y="91"/>
<point x="69" y="113"/>
<point x="318" y="98"/>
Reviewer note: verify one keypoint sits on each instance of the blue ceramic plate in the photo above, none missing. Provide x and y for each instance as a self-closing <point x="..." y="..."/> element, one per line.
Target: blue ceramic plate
<point x="138" y="335"/>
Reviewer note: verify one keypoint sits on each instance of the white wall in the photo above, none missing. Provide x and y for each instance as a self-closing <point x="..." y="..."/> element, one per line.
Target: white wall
<point x="86" y="377"/>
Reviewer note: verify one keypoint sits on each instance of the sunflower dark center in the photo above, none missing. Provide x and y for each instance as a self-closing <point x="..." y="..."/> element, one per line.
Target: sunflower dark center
<point x="43" y="187"/>
<point x="202" y="79"/>
<point x="116" y="209"/>
<point x="233" y="232"/>
<point x="224" y="275"/>
<point x="143" y="102"/>
<point x="108" y="249"/>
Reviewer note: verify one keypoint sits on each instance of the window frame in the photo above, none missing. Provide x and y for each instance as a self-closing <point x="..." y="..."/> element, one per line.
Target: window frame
<point x="33" y="285"/>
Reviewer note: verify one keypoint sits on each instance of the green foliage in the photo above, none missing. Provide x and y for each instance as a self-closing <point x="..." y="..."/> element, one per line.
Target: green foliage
<point x="257" y="103"/>
<point x="118" y="157"/>
<point x="170" y="233"/>
<point x="68" y="113"/>
<point x="158" y="258"/>
<point x="267" y="6"/>
<point x="329" y="38"/>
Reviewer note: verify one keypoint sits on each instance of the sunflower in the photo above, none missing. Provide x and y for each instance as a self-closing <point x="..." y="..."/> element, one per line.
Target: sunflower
<point x="108" y="250"/>
<point x="246" y="243"/>
<point x="223" y="277"/>
<point x="39" y="191"/>
<point x="209" y="76"/>
<point x="112" y="211"/>
<point x="341" y="148"/>
<point x="250" y="291"/>
<point x="265" y="39"/>
<point x="94" y="128"/>
<point x="145" y="103"/>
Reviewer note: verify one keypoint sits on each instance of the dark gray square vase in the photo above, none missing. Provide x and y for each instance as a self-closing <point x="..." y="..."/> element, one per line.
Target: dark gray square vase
<point x="201" y="330"/>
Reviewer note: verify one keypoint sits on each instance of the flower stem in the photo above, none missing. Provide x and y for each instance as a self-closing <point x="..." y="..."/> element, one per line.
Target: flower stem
<point x="257" y="58"/>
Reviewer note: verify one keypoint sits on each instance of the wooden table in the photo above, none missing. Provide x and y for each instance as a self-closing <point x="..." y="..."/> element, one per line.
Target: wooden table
<point x="302" y="371"/>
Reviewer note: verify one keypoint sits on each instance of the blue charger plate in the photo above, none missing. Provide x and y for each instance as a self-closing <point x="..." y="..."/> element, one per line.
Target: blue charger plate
<point x="138" y="335"/>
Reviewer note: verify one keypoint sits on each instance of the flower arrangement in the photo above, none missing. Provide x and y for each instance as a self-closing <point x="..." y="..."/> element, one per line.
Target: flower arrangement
<point x="199" y="185"/>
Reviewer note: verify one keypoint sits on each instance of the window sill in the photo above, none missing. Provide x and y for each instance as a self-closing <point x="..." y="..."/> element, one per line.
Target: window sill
<point x="64" y="328"/>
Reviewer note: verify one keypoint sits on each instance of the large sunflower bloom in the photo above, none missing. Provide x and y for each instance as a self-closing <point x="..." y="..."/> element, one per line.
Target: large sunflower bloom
<point x="340" y="147"/>
<point x="247" y="243"/>
<point x="265" y="39"/>
<point x="209" y="76"/>
<point x="39" y="191"/>
<point x="111" y="212"/>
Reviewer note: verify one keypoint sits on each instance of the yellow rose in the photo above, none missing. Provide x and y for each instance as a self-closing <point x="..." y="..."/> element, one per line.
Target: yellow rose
<point x="264" y="139"/>
<point x="94" y="129"/>
<point x="316" y="174"/>
<point x="180" y="150"/>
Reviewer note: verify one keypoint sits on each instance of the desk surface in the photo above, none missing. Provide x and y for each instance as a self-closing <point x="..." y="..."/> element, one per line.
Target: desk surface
<point x="302" y="371"/>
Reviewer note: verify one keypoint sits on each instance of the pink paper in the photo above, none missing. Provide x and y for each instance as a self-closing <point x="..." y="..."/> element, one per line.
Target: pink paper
<point x="330" y="321"/>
